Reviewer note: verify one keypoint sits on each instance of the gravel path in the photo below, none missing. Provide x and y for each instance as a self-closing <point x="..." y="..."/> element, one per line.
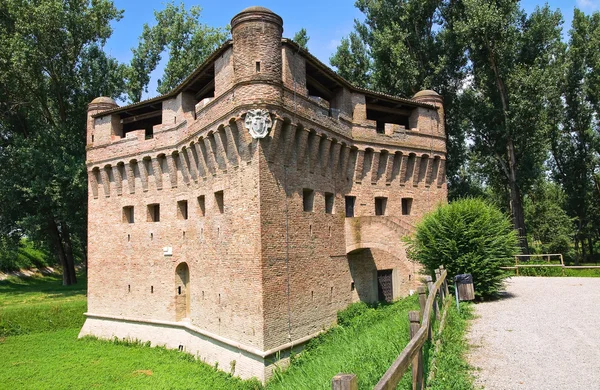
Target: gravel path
<point x="544" y="334"/>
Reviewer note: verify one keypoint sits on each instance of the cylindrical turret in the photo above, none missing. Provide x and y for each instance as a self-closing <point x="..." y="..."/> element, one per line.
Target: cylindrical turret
<point x="433" y="98"/>
<point x="97" y="105"/>
<point x="257" y="33"/>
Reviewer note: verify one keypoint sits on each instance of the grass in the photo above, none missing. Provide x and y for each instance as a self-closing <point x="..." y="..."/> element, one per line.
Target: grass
<point x="366" y="343"/>
<point x="557" y="271"/>
<point x="40" y="320"/>
<point x="452" y="370"/>
<point x="25" y="256"/>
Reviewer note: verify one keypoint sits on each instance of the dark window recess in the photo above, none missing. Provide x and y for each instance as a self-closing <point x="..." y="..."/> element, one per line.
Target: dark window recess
<point x="383" y="111"/>
<point x="329" y="198"/>
<point x="154" y="212"/>
<point x="352" y="288"/>
<point x="320" y="85"/>
<point x="350" y="201"/>
<point x="406" y="206"/>
<point x="128" y="214"/>
<point x="380" y="205"/>
<point x="144" y="119"/>
<point x="257" y="66"/>
<point x="182" y="209"/>
<point x="308" y="199"/>
<point x="385" y="286"/>
<point x="202" y="205"/>
<point x="219" y="200"/>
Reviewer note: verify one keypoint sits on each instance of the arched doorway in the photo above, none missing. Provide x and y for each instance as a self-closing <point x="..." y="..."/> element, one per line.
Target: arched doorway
<point x="182" y="292"/>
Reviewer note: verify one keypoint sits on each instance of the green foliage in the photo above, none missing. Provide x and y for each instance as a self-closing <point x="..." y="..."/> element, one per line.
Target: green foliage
<point x="187" y="43"/>
<point x="452" y="369"/>
<point x="352" y="61"/>
<point x="347" y="316"/>
<point x="466" y="236"/>
<point x="21" y="255"/>
<point x="302" y="38"/>
<point x="547" y="221"/>
<point x="366" y="344"/>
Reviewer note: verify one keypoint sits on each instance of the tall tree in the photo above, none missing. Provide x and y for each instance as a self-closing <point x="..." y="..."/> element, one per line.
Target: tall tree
<point x="302" y="38"/>
<point x="514" y="60"/>
<point x="49" y="57"/>
<point x="186" y="40"/>
<point x="576" y="140"/>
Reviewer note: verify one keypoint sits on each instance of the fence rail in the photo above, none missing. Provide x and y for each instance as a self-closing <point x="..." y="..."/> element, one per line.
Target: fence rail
<point x="420" y="332"/>
<point x="561" y="265"/>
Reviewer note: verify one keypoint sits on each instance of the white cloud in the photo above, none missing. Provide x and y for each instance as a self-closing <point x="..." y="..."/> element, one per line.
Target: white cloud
<point x="588" y="5"/>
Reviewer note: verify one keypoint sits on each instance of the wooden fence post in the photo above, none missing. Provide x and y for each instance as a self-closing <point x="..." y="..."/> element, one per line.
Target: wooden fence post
<point x="446" y="291"/>
<point x="417" y="364"/>
<point x="344" y="382"/>
<point x="438" y="275"/>
<point x="422" y="299"/>
<point x="435" y="304"/>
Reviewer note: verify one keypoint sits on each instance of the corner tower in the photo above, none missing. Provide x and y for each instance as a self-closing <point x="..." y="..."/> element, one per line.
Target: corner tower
<point x="257" y="33"/>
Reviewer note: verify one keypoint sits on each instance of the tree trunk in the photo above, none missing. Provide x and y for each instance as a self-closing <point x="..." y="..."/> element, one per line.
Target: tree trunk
<point x="516" y="205"/>
<point x="68" y="276"/>
<point x="68" y="245"/>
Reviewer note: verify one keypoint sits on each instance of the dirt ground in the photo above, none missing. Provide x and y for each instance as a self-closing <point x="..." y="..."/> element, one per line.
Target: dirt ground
<point x="543" y="334"/>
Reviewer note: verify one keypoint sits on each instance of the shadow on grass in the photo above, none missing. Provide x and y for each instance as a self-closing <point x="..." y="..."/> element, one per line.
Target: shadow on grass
<point x="48" y="284"/>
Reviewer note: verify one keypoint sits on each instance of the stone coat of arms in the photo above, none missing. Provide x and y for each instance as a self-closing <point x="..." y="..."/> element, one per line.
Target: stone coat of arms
<point x="258" y="122"/>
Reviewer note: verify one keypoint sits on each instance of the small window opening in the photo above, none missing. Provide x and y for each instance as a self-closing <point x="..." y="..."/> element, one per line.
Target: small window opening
<point x="202" y="205"/>
<point x="312" y="296"/>
<point x="151" y="289"/>
<point x="179" y="290"/>
<point x="350" y="201"/>
<point x="180" y="348"/>
<point x="310" y="230"/>
<point x="352" y="286"/>
<point x="128" y="214"/>
<point x="154" y="212"/>
<point x="406" y="206"/>
<point x="151" y="236"/>
<point x="182" y="209"/>
<point x="380" y="127"/>
<point x="219" y="200"/>
<point x="202" y="295"/>
<point x="329" y="198"/>
<point x="92" y="137"/>
<point x="129" y="288"/>
<point x="308" y="198"/>
<point x="128" y="237"/>
<point x="380" y="205"/>
<point x="183" y="234"/>
<point x="219" y="299"/>
<point x="257" y="66"/>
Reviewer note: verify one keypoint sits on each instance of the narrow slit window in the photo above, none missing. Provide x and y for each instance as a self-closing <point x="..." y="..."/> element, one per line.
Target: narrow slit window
<point x="128" y="214"/>
<point x="380" y="205"/>
<point x="202" y="205"/>
<point x="154" y="212"/>
<point x="182" y="209"/>
<point x="329" y="198"/>
<point x="220" y="201"/>
<point x="308" y="199"/>
<point x="406" y="206"/>
<point x="257" y="66"/>
<point x="350" y="201"/>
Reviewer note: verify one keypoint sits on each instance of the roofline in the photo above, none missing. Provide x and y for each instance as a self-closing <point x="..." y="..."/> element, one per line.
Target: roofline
<point x="314" y="60"/>
<point x="347" y="83"/>
<point x="175" y="91"/>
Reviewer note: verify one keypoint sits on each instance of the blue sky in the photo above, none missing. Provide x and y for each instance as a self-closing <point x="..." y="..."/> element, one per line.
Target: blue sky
<point x="326" y="21"/>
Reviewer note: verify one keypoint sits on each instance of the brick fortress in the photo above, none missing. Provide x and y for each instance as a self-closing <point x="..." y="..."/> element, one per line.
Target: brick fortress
<point x="234" y="216"/>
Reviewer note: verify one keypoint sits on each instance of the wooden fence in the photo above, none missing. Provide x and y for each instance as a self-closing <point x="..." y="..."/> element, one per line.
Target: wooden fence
<point x="548" y="264"/>
<point x="420" y="332"/>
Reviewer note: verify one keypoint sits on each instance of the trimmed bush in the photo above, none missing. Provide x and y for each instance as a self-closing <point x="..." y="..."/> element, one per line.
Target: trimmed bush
<point x="467" y="236"/>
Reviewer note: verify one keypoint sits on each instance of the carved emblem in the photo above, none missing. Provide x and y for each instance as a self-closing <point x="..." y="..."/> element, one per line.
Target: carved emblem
<point x="258" y="122"/>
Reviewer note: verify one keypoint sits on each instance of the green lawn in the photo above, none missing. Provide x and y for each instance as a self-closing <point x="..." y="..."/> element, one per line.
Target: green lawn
<point x="40" y="320"/>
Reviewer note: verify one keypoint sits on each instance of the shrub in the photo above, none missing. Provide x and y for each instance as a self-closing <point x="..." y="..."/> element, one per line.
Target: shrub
<point x="466" y="236"/>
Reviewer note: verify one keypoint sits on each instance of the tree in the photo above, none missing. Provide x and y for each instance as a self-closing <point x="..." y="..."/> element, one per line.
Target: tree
<point x="302" y="38"/>
<point x="466" y="236"/>
<point x="575" y="138"/>
<point x="352" y="61"/>
<point x="187" y="43"/>
<point x="50" y="53"/>
<point x="514" y="61"/>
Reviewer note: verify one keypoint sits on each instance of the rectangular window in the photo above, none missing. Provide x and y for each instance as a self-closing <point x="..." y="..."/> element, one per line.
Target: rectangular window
<point x="202" y="205"/>
<point x="219" y="200"/>
<point x="308" y="199"/>
<point x="128" y="214"/>
<point x="154" y="212"/>
<point x="380" y="204"/>
<point x="329" y="203"/>
<point x="350" y="200"/>
<point x="182" y="209"/>
<point x="406" y="206"/>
